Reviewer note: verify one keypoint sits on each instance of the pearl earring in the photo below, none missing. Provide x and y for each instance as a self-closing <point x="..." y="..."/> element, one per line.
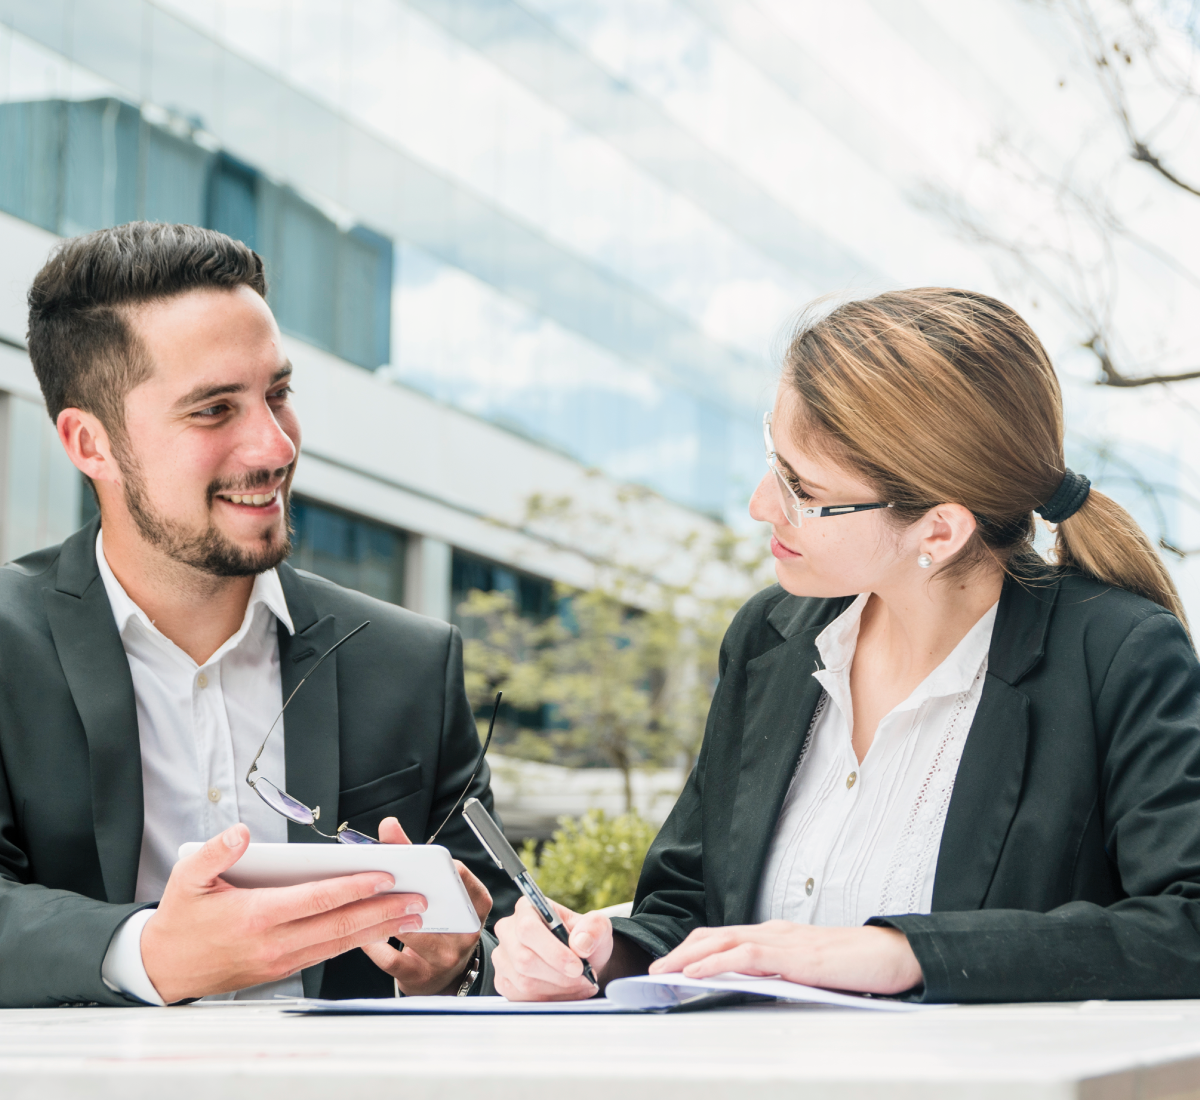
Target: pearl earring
<point x="924" y="561"/>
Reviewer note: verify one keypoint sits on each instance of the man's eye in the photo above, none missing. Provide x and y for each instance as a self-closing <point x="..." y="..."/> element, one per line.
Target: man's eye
<point x="279" y="395"/>
<point x="211" y="413"/>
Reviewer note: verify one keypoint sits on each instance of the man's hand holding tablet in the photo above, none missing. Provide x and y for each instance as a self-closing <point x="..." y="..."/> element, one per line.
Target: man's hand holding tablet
<point x="210" y="937"/>
<point x="421" y="967"/>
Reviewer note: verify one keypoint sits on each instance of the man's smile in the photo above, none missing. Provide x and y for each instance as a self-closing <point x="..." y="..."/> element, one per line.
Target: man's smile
<point x="253" y="500"/>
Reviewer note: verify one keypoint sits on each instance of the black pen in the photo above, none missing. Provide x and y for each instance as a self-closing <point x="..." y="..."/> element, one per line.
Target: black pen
<point x="498" y="847"/>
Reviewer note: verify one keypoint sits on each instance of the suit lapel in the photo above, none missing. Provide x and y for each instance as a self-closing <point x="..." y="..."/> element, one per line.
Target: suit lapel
<point x="986" y="792"/>
<point x="311" y="733"/>
<point x="310" y="727"/>
<point x="781" y="696"/>
<point x="987" y="788"/>
<point x="97" y="672"/>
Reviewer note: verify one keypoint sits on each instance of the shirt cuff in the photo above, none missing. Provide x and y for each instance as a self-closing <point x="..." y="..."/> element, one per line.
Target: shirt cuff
<point x="122" y="969"/>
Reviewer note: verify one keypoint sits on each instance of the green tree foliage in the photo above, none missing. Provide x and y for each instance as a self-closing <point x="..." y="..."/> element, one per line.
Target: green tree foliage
<point x="627" y="666"/>
<point x="593" y="861"/>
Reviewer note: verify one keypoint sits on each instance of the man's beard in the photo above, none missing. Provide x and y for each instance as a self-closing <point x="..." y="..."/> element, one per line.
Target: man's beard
<point x="208" y="551"/>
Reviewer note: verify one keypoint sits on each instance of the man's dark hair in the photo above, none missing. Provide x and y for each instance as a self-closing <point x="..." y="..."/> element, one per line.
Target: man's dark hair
<point x="84" y="352"/>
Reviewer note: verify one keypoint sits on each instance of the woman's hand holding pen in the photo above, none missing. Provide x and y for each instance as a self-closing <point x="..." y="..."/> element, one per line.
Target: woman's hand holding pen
<point x="533" y="965"/>
<point x="865" y="960"/>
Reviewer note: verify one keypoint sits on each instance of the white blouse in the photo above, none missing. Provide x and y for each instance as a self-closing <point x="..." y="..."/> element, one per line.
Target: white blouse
<point x="854" y="841"/>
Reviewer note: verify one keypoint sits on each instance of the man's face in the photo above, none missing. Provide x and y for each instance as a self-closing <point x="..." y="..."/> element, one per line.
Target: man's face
<point x="211" y="438"/>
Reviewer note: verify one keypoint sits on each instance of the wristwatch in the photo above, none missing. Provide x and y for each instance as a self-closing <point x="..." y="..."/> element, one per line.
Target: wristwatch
<point x="472" y="970"/>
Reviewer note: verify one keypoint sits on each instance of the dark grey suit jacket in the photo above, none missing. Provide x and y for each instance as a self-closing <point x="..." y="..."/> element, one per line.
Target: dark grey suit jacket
<point x="383" y="728"/>
<point x="1069" y="866"/>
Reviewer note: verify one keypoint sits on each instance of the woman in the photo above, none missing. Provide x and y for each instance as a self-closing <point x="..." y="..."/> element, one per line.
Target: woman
<point x="933" y="762"/>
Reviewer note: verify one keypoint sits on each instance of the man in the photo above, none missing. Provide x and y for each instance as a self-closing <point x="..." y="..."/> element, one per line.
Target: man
<point x="145" y="659"/>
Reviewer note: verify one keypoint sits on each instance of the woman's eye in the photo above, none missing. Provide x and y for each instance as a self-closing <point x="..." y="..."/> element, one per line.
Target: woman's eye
<point x="796" y="487"/>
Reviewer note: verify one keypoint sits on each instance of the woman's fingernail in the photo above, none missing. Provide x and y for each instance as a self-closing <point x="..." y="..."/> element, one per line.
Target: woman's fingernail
<point x="232" y="837"/>
<point x="585" y="945"/>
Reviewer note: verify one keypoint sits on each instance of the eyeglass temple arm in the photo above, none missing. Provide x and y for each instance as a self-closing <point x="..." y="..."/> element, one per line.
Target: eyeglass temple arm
<point x="340" y="641"/>
<point x="475" y="772"/>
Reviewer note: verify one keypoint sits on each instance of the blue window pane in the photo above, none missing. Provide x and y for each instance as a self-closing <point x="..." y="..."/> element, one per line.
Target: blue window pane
<point x="348" y="550"/>
<point x="233" y="200"/>
<point x="100" y="184"/>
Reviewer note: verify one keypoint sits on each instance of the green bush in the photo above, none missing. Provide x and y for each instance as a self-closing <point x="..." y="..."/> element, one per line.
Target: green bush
<point x="592" y="861"/>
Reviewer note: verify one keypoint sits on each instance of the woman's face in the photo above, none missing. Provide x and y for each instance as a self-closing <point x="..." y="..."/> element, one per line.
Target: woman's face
<point x="832" y="555"/>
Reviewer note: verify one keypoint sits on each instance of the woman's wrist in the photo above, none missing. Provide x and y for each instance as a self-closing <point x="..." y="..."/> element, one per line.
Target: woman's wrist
<point x="626" y="960"/>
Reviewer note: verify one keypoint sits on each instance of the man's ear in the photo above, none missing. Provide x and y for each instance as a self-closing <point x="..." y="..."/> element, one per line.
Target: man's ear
<point x="87" y="445"/>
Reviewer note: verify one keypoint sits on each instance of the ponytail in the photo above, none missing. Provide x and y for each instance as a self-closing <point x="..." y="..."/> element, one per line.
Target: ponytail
<point x="1104" y="541"/>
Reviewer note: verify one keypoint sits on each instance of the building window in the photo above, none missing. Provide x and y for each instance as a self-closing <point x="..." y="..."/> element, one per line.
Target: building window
<point x="532" y="596"/>
<point x="72" y="167"/>
<point x="348" y="550"/>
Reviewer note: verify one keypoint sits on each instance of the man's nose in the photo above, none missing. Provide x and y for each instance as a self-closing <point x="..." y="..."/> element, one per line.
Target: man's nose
<point x="263" y="443"/>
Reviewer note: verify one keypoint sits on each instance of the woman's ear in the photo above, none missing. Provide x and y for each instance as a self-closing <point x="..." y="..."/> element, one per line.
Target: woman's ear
<point x="946" y="529"/>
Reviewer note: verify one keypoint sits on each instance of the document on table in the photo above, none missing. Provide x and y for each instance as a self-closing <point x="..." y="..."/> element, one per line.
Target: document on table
<point x="647" y="993"/>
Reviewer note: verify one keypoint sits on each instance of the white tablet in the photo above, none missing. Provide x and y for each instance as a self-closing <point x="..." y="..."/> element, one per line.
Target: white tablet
<point x="425" y="869"/>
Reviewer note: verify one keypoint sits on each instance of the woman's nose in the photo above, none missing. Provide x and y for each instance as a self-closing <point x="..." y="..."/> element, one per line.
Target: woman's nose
<point x="764" y="504"/>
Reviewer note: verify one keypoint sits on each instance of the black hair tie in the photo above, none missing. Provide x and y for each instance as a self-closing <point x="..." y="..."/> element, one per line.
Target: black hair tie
<point x="1068" y="498"/>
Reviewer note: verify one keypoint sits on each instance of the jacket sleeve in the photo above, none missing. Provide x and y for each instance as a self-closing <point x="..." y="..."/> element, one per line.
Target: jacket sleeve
<point x="52" y="942"/>
<point x="1146" y="945"/>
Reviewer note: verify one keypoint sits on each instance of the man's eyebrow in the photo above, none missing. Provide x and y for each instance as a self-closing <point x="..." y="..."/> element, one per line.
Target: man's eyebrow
<point x="207" y="393"/>
<point x="811" y="484"/>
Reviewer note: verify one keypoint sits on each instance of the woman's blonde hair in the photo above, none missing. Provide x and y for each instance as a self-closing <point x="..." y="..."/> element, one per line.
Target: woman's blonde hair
<point x="936" y="396"/>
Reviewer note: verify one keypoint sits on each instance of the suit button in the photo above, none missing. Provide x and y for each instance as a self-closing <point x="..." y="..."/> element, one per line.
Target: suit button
<point x="808" y="888"/>
<point x="850" y="779"/>
<point x="214" y="795"/>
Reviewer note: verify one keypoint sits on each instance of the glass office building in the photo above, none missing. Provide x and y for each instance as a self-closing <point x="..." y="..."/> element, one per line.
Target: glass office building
<point x="512" y="240"/>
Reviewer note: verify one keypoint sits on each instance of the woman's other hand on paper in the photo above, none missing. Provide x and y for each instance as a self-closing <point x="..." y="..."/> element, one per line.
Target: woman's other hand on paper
<point x="533" y="965"/>
<point x="862" y="960"/>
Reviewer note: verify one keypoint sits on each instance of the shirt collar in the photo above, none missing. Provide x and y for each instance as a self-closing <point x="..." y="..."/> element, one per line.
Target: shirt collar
<point x="838" y="641"/>
<point x="267" y="592"/>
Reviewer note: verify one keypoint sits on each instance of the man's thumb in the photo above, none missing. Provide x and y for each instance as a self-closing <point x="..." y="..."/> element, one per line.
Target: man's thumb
<point x="217" y="856"/>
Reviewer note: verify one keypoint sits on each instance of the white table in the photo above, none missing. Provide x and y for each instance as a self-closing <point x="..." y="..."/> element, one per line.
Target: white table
<point x="1098" y="1051"/>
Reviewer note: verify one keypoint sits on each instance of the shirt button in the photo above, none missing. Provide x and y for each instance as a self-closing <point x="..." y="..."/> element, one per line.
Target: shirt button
<point x="808" y="888"/>
<point x="214" y="795"/>
<point x="202" y="681"/>
<point x="850" y="780"/>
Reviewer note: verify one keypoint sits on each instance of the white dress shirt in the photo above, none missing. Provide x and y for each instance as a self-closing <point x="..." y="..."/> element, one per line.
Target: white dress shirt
<point x="858" y="840"/>
<point x="199" y="727"/>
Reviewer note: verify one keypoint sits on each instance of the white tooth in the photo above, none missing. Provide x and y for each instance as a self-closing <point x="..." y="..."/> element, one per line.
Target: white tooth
<point x="259" y="498"/>
<point x="235" y="498"/>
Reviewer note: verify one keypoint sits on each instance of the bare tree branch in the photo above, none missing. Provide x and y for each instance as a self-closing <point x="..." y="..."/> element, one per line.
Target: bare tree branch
<point x="1111" y="376"/>
<point x="1142" y="154"/>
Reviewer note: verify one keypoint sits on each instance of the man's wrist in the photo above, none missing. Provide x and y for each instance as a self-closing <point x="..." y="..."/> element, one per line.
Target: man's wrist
<point x="123" y="969"/>
<point x="471" y="974"/>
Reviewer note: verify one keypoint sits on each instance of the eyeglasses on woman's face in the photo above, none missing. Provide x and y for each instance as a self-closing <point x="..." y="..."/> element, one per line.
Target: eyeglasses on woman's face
<point x="792" y="498"/>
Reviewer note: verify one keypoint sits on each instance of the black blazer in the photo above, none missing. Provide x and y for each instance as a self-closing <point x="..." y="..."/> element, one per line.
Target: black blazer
<point x="383" y="728"/>
<point x="1069" y="866"/>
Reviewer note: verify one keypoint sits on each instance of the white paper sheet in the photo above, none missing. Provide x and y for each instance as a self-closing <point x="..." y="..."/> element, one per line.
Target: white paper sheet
<point x="673" y="991"/>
